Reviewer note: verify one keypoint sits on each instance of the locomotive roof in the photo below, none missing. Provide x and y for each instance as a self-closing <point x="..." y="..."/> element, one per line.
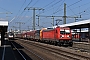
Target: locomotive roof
<point x="48" y="29"/>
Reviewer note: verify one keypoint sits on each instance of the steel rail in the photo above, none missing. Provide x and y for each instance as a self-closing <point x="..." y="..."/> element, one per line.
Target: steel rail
<point x="33" y="53"/>
<point x="19" y="51"/>
<point x="3" y="53"/>
<point x="52" y="49"/>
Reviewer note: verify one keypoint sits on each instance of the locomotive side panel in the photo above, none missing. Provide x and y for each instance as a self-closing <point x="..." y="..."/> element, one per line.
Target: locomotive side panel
<point x="60" y="35"/>
<point x="49" y="34"/>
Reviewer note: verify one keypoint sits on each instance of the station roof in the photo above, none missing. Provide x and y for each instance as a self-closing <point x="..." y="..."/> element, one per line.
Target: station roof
<point x="77" y="25"/>
<point x="3" y="25"/>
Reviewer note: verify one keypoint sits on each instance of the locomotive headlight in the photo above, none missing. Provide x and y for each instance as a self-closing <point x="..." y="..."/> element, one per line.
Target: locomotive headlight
<point x="68" y="36"/>
<point x="62" y="35"/>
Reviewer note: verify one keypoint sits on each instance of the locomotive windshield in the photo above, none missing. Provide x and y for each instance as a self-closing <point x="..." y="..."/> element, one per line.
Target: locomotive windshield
<point x="64" y="31"/>
<point x="10" y="34"/>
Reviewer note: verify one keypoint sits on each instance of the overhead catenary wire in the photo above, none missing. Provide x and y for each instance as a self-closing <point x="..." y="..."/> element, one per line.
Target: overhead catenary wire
<point x="67" y="6"/>
<point x="49" y="8"/>
<point x="29" y="3"/>
<point x="83" y="11"/>
<point x="18" y="15"/>
<point x="5" y="9"/>
<point x="32" y="5"/>
<point x="74" y="3"/>
<point x="48" y="4"/>
<point x="27" y="6"/>
<point x="58" y="9"/>
<point x="80" y="12"/>
<point x="35" y="2"/>
<point x="23" y="10"/>
<point x="55" y="3"/>
<point x="19" y="11"/>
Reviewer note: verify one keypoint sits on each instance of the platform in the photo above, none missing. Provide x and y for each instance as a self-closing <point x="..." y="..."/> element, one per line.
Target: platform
<point x="6" y="53"/>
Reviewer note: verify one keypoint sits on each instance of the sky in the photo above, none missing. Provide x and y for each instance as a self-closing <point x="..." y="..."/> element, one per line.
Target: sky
<point x="16" y="12"/>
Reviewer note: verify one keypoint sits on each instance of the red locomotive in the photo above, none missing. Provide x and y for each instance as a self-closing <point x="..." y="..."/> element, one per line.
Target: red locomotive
<point x="58" y="35"/>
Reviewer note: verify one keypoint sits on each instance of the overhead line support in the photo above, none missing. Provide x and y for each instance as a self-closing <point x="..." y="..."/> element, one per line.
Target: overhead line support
<point x="33" y="8"/>
<point x="20" y="25"/>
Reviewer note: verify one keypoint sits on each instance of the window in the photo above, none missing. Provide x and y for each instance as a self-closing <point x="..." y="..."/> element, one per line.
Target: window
<point x="64" y="31"/>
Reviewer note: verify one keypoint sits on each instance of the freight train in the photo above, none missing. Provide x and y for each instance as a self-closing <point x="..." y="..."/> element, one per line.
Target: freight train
<point x="58" y="35"/>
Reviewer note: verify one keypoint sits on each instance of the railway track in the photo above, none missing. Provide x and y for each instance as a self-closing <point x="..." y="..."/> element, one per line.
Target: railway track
<point x="81" y="46"/>
<point x="20" y="52"/>
<point x="22" y="56"/>
<point x="36" y="51"/>
<point x="60" y="51"/>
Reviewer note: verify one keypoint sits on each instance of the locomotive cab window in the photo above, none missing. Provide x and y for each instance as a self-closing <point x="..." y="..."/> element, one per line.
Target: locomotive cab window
<point x="10" y="34"/>
<point x="64" y="31"/>
<point x="67" y="31"/>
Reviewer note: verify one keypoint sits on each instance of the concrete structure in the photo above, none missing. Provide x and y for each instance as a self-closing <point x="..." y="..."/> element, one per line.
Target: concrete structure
<point x="3" y="29"/>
